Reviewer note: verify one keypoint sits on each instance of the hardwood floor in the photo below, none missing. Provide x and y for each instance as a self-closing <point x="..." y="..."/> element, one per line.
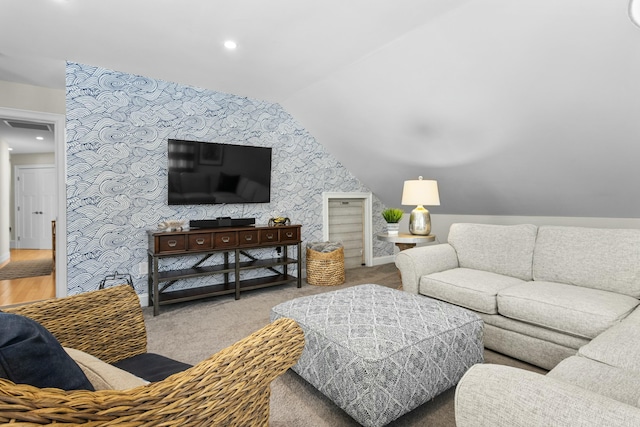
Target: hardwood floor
<point x="16" y="291"/>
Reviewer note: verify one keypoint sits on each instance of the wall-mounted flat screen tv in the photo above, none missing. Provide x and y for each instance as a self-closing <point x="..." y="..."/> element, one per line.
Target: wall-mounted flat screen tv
<point x="213" y="173"/>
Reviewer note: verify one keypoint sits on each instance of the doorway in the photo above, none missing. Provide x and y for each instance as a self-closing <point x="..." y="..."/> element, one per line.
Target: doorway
<point x="57" y="123"/>
<point x="347" y="219"/>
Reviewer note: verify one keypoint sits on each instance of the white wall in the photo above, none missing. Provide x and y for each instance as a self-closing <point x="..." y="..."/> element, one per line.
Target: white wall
<point x="527" y="107"/>
<point x="32" y="98"/>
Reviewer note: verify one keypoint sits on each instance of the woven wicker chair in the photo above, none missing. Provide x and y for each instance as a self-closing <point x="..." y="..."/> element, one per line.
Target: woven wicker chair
<point x="231" y="388"/>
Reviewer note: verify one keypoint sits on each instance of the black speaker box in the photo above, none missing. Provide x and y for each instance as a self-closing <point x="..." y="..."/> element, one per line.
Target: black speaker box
<point x="221" y="222"/>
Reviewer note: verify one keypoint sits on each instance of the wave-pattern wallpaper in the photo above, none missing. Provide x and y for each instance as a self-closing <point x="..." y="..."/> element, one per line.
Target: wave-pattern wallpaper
<point x="117" y="130"/>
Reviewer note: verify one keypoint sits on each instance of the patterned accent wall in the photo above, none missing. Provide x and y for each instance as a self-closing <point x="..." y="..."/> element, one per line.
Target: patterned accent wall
<point x="117" y="130"/>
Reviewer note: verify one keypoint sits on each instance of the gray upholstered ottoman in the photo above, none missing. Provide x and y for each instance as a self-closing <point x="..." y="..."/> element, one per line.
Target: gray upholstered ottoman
<point x="378" y="352"/>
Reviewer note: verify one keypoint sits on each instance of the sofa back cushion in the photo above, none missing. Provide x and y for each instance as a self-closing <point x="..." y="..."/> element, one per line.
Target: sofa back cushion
<point x="502" y="249"/>
<point x="605" y="259"/>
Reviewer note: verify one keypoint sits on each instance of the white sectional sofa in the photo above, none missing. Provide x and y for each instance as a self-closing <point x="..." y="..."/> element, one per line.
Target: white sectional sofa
<point x="599" y="387"/>
<point x="543" y="292"/>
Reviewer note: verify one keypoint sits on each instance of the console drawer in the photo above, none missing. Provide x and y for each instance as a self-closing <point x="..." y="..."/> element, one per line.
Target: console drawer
<point x="249" y="237"/>
<point x="225" y="240"/>
<point x="268" y="236"/>
<point x="200" y="241"/>
<point x="171" y="243"/>
<point x="289" y="234"/>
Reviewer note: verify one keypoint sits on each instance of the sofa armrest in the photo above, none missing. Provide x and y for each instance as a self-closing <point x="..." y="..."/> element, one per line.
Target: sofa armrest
<point x="231" y="388"/>
<point x="416" y="262"/>
<point x="495" y="395"/>
<point x="107" y="323"/>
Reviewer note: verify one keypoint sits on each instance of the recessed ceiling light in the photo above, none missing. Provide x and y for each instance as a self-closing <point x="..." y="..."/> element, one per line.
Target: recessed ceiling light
<point x="10" y="149"/>
<point x="230" y="44"/>
<point x="39" y="138"/>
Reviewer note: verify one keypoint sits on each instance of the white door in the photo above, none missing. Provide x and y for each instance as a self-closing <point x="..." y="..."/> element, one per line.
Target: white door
<point x="346" y="225"/>
<point x="35" y="206"/>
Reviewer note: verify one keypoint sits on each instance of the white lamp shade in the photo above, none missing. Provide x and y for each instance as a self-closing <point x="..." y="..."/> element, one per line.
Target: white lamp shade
<point x="421" y="192"/>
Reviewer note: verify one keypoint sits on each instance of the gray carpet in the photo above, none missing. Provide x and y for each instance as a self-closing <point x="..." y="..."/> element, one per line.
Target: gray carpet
<point x="31" y="268"/>
<point x="192" y="331"/>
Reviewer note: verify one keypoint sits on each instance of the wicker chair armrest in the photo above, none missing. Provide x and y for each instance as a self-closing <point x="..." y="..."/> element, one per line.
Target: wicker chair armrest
<point x="231" y="388"/>
<point x="107" y="323"/>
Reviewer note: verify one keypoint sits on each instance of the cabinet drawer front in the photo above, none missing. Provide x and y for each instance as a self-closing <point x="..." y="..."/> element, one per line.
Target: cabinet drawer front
<point x="249" y="237"/>
<point x="200" y="241"/>
<point x="269" y="236"/>
<point x="225" y="240"/>
<point x="171" y="243"/>
<point x="289" y="234"/>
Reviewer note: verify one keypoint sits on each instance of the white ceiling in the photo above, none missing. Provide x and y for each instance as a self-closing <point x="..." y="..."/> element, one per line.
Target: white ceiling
<point x="283" y="45"/>
<point x="525" y="107"/>
<point x="26" y="139"/>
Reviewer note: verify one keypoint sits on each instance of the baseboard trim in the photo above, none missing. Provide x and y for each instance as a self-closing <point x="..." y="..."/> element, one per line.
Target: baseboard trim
<point x="389" y="259"/>
<point x="144" y="300"/>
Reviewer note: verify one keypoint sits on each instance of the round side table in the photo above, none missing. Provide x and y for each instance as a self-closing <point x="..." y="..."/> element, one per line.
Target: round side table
<point x="405" y="241"/>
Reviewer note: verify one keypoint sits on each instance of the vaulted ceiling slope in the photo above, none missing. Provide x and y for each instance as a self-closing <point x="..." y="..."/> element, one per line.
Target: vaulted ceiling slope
<point x="528" y="107"/>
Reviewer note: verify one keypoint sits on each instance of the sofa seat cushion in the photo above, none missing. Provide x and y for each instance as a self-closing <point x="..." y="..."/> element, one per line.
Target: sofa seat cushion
<point x="469" y="288"/>
<point x="583" y="312"/>
<point x="102" y="375"/>
<point x="618" y="346"/>
<point x="152" y="367"/>
<point x="619" y="384"/>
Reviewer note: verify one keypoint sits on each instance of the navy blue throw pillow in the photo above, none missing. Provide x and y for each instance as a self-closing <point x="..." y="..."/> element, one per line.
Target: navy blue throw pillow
<point x="29" y="354"/>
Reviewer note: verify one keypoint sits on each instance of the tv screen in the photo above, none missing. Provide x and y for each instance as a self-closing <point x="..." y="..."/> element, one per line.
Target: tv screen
<point x="210" y="173"/>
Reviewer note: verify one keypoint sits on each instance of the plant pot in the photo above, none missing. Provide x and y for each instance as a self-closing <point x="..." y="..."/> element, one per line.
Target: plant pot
<point x="392" y="228"/>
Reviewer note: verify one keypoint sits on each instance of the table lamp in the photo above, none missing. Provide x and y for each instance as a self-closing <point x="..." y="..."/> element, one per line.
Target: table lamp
<point x="420" y="192"/>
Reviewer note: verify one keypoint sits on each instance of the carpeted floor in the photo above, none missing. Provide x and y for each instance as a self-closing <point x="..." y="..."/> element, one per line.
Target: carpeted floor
<point x="30" y="268"/>
<point x="192" y="331"/>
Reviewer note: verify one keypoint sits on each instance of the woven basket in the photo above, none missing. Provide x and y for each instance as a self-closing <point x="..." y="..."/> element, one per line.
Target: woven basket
<point x="325" y="268"/>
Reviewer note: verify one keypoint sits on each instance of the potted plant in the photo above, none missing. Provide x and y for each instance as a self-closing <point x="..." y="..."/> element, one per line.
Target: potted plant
<point x="393" y="217"/>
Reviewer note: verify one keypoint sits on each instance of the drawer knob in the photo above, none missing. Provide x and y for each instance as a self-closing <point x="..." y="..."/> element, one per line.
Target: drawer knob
<point x="248" y="238"/>
<point x="225" y="239"/>
<point x="270" y="236"/>
<point x="200" y="241"/>
<point x="289" y="234"/>
<point x="172" y="243"/>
